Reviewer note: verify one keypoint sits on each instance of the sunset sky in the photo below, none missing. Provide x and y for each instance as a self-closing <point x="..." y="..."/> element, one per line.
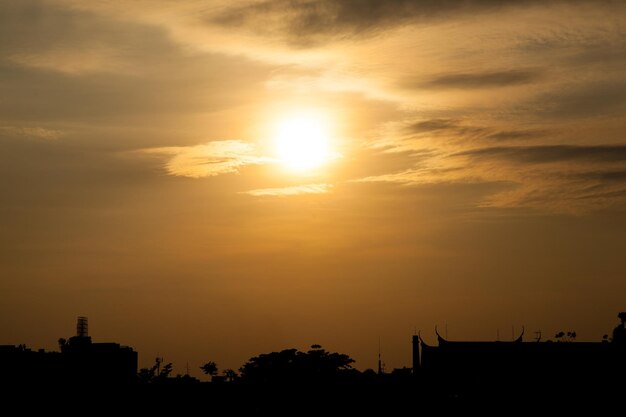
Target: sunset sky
<point x="210" y="180"/>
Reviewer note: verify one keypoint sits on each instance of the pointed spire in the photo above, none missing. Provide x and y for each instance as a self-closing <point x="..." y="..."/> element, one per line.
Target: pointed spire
<point x="380" y="363"/>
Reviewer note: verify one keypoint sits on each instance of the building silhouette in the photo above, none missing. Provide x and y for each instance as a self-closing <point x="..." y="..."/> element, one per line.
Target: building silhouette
<point x="80" y="361"/>
<point x="471" y="367"/>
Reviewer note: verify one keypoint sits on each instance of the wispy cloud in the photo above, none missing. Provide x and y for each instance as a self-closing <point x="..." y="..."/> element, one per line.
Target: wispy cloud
<point x="290" y="191"/>
<point x="561" y="65"/>
<point x="487" y="79"/>
<point x="209" y="159"/>
<point x="73" y="61"/>
<point x="554" y="153"/>
<point x="32" y="132"/>
<point x="431" y="125"/>
<point x="563" y="178"/>
<point x="306" y="22"/>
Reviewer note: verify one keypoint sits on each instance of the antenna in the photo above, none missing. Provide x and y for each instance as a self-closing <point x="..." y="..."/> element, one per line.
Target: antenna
<point x="158" y="361"/>
<point x="380" y="364"/>
<point x="82" y="327"/>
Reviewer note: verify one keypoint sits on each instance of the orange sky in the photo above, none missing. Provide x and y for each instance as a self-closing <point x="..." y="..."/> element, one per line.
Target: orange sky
<point x="474" y="174"/>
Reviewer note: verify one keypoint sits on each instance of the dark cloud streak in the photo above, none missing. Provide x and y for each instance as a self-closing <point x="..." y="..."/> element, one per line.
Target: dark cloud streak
<point x="585" y="99"/>
<point x="458" y="128"/>
<point x="478" y="80"/>
<point x="554" y="153"/>
<point x="310" y="21"/>
<point x="507" y="135"/>
<point x="605" y="176"/>
<point x="432" y="125"/>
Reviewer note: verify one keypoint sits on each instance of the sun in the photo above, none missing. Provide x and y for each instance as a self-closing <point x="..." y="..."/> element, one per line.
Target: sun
<point x="302" y="141"/>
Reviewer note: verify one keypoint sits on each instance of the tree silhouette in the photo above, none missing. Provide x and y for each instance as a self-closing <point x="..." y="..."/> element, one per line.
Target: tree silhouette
<point x="209" y="368"/>
<point x="166" y="371"/>
<point x="146" y="375"/>
<point x="230" y="375"/>
<point x="619" y="333"/>
<point x="155" y="373"/>
<point x="291" y="365"/>
<point x="565" y="337"/>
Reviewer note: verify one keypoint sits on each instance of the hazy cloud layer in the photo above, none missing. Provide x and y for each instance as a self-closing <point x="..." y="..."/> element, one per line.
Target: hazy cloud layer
<point x="480" y="80"/>
<point x="291" y="191"/>
<point x="547" y="154"/>
<point x="31" y="132"/>
<point x="467" y="129"/>
<point x="565" y="178"/>
<point x="526" y="84"/>
<point x="310" y="21"/>
<point x="210" y="159"/>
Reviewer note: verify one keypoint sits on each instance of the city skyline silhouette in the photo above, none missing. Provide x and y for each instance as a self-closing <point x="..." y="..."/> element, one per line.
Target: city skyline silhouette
<point x="212" y="180"/>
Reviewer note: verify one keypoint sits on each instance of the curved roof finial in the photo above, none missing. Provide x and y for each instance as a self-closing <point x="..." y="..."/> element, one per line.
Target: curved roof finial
<point x="440" y="339"/>
<point x="521" y="336"/>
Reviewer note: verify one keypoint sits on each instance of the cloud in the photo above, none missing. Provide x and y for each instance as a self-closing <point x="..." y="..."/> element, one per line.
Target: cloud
<point x="576" y="194"/>
<point x="556" y="153"/>
<point x="610" y="176"/>
<point x="604" y="96"/>
<point x="73" y="61"/>
<point x="32" y="132"/>
<point x="414" y="136"/>
<point x="210" y="159"/>
<point x="424" y="175"/>
<point x="508" y="135"/>
<point x="444" y="126"/>
<point x="290" y="191"/>
<point x="310" y="21"/>
<point x="47" y="36"/>
<point x="487" y="79"/>
<point x="153" y="66"/>
<point x="74" y="67"/>
<point x="559" y="178"/>
<point x="432" y="125"/>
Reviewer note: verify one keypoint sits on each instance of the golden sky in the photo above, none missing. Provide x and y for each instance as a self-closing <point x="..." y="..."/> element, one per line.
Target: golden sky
<point x="209" y="180"/>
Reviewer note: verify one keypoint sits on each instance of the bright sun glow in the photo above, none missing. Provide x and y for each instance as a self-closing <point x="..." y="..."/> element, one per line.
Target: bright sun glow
<point x="302" y="142"/>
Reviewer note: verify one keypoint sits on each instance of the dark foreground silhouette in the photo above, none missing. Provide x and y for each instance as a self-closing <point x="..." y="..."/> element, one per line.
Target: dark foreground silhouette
<point x="490" y="377"/>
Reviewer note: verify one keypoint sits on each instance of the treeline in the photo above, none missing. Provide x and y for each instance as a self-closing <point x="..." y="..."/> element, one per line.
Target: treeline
<point x="289" y="366"/>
